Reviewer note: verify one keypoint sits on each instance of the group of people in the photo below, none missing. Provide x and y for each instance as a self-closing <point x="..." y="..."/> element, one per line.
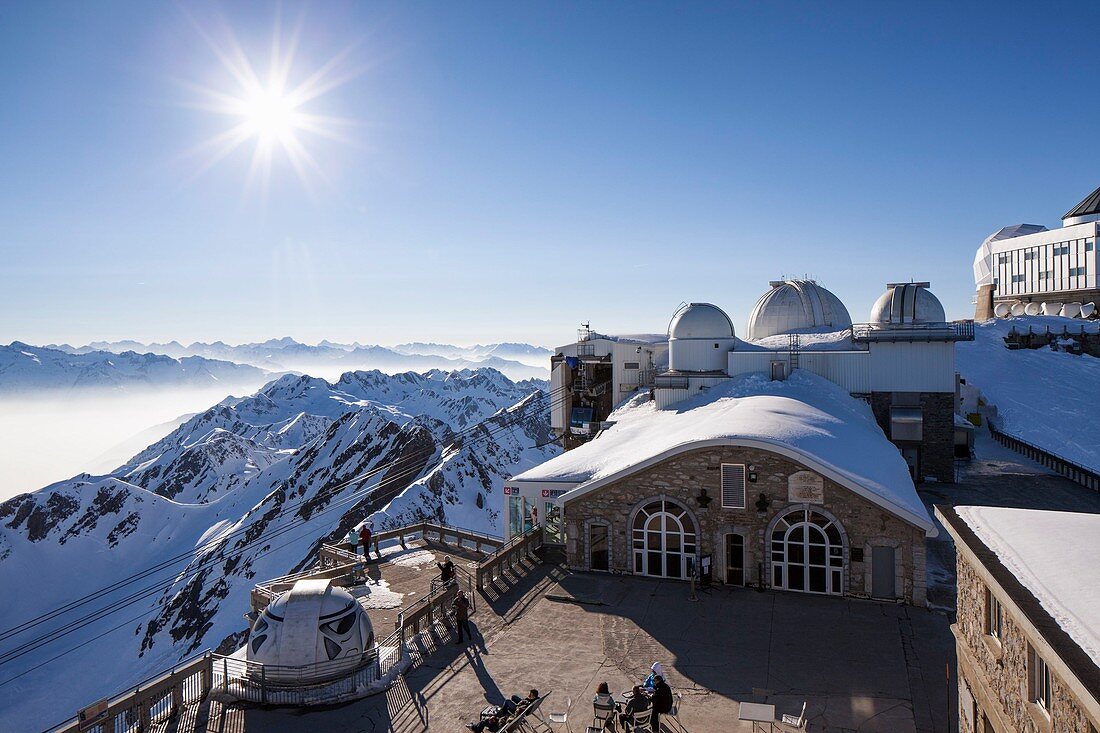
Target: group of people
<point x="360" y="537"/>
<point x="652" y="694"/>
<point x="495" y="719"/>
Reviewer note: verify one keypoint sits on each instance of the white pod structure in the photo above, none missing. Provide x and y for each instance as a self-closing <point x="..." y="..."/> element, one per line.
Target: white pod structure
<point x="699" y="339"/>
<point x="1072" y="310"/>
<point x="312" y="632"/>
<point x="792" y="306"/>
<point x="1017" y="308"/>
<point x="1032" y="309"/>
<point x="1087" y="310"/>
<point x="1051" y="309"/>
<point x="1002" y="310"/>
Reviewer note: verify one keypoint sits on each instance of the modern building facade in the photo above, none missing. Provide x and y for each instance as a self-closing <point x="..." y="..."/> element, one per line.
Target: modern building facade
<point x="1028" y="263"/>
<point x="1028" y="619"/>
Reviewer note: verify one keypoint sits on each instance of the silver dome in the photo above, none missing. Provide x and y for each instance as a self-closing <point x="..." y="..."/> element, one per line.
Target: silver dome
<point x="796" y="305"/>
<point x="907" y="303"/>
<point x="700" y="321"/>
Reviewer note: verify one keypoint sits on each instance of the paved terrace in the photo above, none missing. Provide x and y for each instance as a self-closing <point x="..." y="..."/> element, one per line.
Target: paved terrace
<point x="860" y="665"/>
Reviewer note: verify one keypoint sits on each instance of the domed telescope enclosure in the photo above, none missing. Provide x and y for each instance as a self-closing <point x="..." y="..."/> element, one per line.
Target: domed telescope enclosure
<point x="905" y="304"/>
<point x="311" y="633"/>
<point x="700" y="337"/>
<point x="796" y="305"/>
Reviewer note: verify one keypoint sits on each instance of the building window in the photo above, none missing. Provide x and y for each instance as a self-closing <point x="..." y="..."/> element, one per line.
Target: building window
<point x="1075" y="271"/>
<point x="807" y="553"/>
<point x="1062" y="249"/>
<point x="1046" y="275"/>
<point x="663" y="537"/>
<point x="1040" y="680"/>
<point x="1030" y="255"/>
<point x="993" y="615"/>
<point x="1004" y="259"/>
<point x="733" y="486"/>
<point x="630" y="365"/>
<point x="1017" y="278"/>
<point x="1088" y="245"/>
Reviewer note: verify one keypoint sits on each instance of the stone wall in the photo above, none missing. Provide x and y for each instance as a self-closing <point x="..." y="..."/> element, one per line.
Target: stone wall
<point x="996" y="672"/>
<point x="680" y="478"/>
<point x="938" y="446"/>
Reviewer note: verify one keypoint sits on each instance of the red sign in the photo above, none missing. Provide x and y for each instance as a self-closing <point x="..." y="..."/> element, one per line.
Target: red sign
<point x="546" y="492"/>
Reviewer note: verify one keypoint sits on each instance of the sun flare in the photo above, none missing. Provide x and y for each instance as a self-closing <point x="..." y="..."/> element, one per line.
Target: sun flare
<point x="270" y="112"/>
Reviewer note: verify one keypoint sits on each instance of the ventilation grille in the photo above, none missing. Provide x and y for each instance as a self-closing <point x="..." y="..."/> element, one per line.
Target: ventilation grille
<point x="733" y="486"/>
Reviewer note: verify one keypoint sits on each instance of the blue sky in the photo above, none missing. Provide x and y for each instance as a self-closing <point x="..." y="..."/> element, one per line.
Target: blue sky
<point x="517" y="168"/>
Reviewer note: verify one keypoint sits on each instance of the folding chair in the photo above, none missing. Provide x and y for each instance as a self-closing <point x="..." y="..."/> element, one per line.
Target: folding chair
<point x="673" y="716"/>
<point x="531" y="718"/>
<point x="602" y="714"/>
<point x="798" y="722"/>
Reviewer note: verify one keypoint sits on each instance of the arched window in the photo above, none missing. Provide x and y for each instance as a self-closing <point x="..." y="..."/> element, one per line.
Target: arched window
<point x="807" y="553"/>
<point x="663" y="536"/>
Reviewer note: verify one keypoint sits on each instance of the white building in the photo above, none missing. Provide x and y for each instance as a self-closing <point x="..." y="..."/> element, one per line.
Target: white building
<point x="1028" y="263"/>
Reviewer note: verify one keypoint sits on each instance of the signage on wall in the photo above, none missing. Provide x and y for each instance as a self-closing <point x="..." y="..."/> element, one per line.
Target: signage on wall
<point x="552" y="493"/>
<point x="805" y="487"/>
<point x="508" y="490"/>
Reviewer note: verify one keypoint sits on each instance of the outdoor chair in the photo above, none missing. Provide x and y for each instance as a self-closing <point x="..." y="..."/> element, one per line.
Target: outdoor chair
<point x="601" y="714"/>
<point x="673" y="716"/>
<point x="641" y="721"/>
<point x="798" y="722"/>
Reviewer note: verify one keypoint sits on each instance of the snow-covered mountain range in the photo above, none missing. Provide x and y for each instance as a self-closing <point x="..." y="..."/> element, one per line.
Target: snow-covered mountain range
<point x="517" y="361"/>
<point x="25" y="368"/>
<point x="254" y="485"/>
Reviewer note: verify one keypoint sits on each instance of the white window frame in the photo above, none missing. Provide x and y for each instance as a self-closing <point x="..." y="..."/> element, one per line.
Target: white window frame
<point x="729" y="474"/>
<point x="1040" y="681"/>
<point x="994" y="616"/>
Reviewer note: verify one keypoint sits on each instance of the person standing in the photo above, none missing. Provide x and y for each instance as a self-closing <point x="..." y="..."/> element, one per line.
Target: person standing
<point x="662" y="701"/>
<point x="364" y="539"/>
<point x="461" y="605"/>
<point x="446" y="570"/>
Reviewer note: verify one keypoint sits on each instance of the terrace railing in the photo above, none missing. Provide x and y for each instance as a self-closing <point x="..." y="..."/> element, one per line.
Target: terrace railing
<point x="507" y="555"/>
<point x="1073" y="471"/>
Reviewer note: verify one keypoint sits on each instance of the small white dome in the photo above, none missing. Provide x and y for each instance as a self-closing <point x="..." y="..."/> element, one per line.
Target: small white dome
<point x="796" y="305"/>
<point x="907" y="303"/>
<point x="700" y="321"/>
<point x="314" y="625"/>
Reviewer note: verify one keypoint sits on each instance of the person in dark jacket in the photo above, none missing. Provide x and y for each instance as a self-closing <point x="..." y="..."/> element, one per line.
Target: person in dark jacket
<point x="461" y="605"/>
<point x="491" y="724"/>
<point x="662" y="700"/>
<point x="446" y="570"/>
<point x="637" y="703"/>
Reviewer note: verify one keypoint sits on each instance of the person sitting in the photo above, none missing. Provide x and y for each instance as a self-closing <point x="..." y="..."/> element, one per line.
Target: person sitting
<point x="604" y="703"/>
<point x="637" y="703"/>
<point x="492" y="724"/>
<point x="446" y="570"/>
<point x="654" y="672"/>
<point x="662" y="701"/>
<point x="518" y="704"/>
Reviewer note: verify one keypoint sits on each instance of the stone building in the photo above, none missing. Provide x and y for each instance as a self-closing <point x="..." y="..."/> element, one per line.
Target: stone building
<point x="1028" y="619"/>
<point x="789" y="483"/>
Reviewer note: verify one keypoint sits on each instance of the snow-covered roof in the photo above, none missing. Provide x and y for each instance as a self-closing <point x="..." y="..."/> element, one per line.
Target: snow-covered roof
<point x="822" y="339"/>
<point x="806" y="418"/>
<point x="1053" y="555"/>
<point x="632" y="338"/>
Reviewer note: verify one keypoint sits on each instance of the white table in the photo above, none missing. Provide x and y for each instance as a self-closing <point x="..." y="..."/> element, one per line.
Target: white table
<point x="757" y="713"/>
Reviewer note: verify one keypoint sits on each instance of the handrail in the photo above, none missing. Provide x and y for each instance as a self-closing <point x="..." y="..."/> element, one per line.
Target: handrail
<point x="1075" y="472"/>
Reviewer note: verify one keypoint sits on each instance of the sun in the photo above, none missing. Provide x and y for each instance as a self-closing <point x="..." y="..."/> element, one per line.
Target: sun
<point x="272" y="112"/>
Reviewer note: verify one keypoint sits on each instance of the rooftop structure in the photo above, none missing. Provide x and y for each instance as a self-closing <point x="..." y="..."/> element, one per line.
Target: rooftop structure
<point x="699" y="337"/>
<point x="1030" y="264"/>
<point x="793" y="306"/>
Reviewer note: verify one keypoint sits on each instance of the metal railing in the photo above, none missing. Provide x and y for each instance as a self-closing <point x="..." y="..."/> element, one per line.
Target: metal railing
<point x="152" y="701"/>
<point x="947" y="331"/>
<point x="670" y="381"/>
<point x="1073" y="471"/>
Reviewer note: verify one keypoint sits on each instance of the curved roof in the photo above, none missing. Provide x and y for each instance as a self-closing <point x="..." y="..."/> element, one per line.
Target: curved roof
<point x="700" y="321"/>
<point x="983" y="258"/>
<point x="805" y="418"/>
<point x="907" y="303"/>
<point x="796" y="305"/>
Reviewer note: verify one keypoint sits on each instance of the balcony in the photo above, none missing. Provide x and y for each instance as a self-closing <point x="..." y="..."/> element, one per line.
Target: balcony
<point x="947" y="331"/>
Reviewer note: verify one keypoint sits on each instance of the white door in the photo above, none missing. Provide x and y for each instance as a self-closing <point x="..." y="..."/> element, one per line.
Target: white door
<point x="663" y="536"/>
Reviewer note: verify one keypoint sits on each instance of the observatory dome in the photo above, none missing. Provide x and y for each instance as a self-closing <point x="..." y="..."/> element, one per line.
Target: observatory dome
<point x="906" y="304"/>
<point x="796" y="305"/>
<point x="699" y="338"/>
<point x="315" y="625"/>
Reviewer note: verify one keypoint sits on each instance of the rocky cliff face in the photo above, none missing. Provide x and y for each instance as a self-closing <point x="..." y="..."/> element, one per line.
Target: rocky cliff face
<point x="245" y="491"/>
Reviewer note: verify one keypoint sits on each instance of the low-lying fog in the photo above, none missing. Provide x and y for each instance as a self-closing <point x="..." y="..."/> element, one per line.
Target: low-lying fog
<point x="55" y="436"/>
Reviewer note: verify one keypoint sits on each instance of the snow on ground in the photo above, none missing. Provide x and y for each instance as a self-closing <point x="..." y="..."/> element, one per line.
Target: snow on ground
<point x="414" y="559"/>
<point x="806" y="414"/>
<point x="1048" y="398"/>
<point x="376" y="594"/>
<point x="1067" y="584"/>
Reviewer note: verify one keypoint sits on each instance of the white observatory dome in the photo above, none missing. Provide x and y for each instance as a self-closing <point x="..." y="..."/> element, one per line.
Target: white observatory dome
<point x="907" y="304"/>
<point x="314" y="625"/>
<point x="796" y="305"/>
<point x="699" y="339"/>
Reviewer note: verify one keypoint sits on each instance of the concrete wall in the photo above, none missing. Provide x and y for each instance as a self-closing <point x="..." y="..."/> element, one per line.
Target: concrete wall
<point x="865" y="524"/>
<point x="994" y="674"/>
